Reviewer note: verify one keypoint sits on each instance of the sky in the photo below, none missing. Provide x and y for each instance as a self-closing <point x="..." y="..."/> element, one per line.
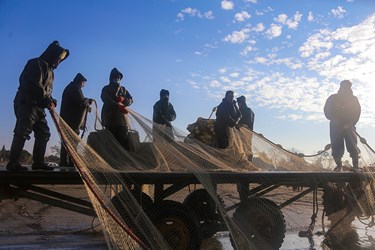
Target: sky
<point x="285" y="56"/>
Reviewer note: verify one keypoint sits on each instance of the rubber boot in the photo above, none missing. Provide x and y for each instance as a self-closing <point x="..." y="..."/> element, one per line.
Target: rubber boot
<point x="338" y="167"/>
<point x="355" y="163"/>
<point x="15" y="153"/>
<point x="39" y="151"/>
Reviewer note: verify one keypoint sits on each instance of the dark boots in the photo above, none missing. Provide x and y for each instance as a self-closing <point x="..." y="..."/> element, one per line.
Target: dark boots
<point x="15" y="154"/>
<point x="338" y="167"/>
<point x="39" y="151"/>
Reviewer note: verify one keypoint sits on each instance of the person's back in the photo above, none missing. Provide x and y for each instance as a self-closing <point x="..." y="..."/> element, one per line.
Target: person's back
<point x="343" y="110"/>
<point x="248" y="115"/>
<point x="227" y="115"/>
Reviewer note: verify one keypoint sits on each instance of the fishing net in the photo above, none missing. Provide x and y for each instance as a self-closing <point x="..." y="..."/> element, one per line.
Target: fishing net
<point x="175" y="191"/>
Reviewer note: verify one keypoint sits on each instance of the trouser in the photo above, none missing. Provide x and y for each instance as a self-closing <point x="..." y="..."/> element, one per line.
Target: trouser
<point x="64" y="158"/>
<point x="121" y="134"/>
<point x="222" y="136"/>
<point x="341" y="137"/>
<point x="163" y="131"/>
<point x="29" y="119"/>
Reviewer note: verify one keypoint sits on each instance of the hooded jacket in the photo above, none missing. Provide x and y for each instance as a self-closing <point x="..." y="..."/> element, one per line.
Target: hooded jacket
<point x="343" y="108"/>
<point x="73" y="103"/>
<point x="36" y="79"/>
<point x="111" y="116"/>
<point x="227" y="114"/>
<point x="164" y="112"/>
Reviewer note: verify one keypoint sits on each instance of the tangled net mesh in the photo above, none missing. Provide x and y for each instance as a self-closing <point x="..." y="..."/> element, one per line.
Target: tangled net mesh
<point x="172" y="213"/>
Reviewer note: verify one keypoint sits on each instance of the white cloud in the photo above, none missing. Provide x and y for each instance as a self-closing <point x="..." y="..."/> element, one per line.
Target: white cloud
<point x="274" y="31"/>
<point x="198" y="53"/>
<point x="194" y="13"/>
<point x="316" y="43"/>
<point x="310" y="17"/>
<point x="292" y="23"/>
<point x="222" y="70"/>
<point x="234" y="74"/>
<point x="242" y="16"/>
<point x="246" y="50"/>
<point x="339" y="12"/>
<point x="259" y="27"/>
<point x="237" y="36"/>
<point x="227" y="5"/>
<point x="251" y="1"/>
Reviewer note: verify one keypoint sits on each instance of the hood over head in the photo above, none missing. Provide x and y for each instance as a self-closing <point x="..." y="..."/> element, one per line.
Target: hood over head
<point x="79" y="78"/>
<point x="55" y="54"/>
<point x="241" y="99"/>
<point x="114" y="74"/>
<point x="163" y="93"/>
<point x="345" y="88"/>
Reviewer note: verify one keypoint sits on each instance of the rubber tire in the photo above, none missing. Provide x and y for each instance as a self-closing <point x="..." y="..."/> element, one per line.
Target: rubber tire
<point x="177" y="223"/>
<point x="262" y="222"/>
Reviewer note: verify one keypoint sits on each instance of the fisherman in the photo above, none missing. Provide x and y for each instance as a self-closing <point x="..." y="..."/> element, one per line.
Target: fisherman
<point x="227" y="115"/>
<point x="116" y="99"/>
<point x="247" y="119"/>
<point x="343" y="110"/>
<point x="34" y="95"/>
<point x="163" y="115"/>
<point x="246" y="112"/>
<point x="74" y="108"/>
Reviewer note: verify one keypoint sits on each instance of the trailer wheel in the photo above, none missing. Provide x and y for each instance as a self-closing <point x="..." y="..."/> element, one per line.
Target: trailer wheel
<point x="177" y="223"/>
<point x="204" y="207"/>
<point x="262" y="222"/>
<point x="128" y="210"/>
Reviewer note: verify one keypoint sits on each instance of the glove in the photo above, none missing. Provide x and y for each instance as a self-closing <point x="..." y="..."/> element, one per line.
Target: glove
<point x="45" y="102"/>
<point x="90" y="101"/>
<point x="54" y="101"/>
<point x="122" y="109"/>
<point x="120" y="99"/>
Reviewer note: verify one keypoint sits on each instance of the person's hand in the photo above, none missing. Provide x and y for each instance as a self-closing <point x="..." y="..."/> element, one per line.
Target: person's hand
<point x="122" y="109"/>
<point x="237" y="126"/>
<point x="120" y="99"/>
<point x="90" y="101"/>
<point x="52" y="104"/>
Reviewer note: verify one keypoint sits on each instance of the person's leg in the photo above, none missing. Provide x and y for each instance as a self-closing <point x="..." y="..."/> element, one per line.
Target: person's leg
<point x="337" y="143"/>
<point x="351" y="146"/>
<point x="63" y="155"/>
<point x="23" y="128"/>
<point x="42" y="135"/>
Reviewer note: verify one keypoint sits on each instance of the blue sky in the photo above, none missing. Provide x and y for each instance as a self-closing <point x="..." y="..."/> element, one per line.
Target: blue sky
<point x="286" y="56"/>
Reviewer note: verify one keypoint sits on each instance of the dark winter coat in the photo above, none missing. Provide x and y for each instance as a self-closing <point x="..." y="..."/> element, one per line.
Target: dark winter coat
<point x="247" y="117"/>
<point x="164" y="113"/>
<point x="37" y="77"/>
<point x="35" y="93"/>
<point x="73" y="103"/>
<point x="343" y="108"/>
<point x="111" y="116"/>
<point x="227" y="115"/>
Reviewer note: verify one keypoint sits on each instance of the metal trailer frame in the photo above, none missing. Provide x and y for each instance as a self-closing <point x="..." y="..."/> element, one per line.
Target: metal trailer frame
<point x="29" y="185"/>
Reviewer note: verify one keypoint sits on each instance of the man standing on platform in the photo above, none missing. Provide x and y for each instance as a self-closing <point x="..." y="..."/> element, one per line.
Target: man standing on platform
<point x="34" y="95"/>
<point x="74" y="107"/>
<point x="343" y="110"/>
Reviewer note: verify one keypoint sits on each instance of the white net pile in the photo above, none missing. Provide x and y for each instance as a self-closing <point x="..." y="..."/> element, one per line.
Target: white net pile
<point x="161" y="193"/>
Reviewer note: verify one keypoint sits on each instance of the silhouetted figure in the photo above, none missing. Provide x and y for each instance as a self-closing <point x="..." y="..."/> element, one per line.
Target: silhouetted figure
<point x="246" y="112"/>
<point x="247" y="120"/>
<point x="34" y="95"/>
<point x="73" y="110"/>
<point x="227" y="115"/>
<point x="163" y="115"/>
<point x="343" y="110"/>
<point x="114" y="112"/>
